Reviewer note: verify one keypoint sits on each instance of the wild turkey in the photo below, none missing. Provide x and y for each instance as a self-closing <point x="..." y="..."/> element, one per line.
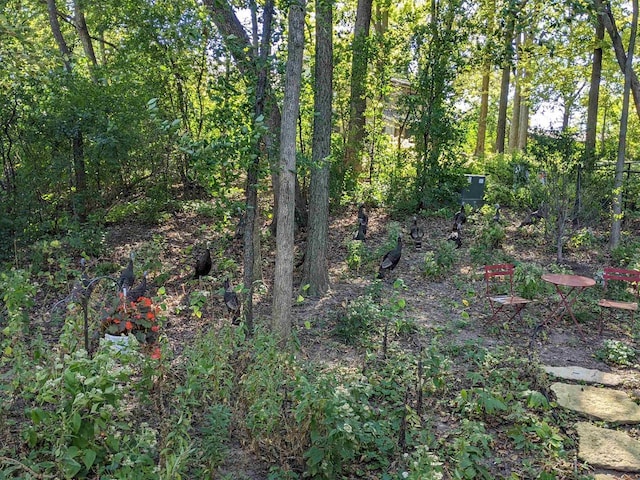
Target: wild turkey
<point x="139" y="291"/>
<point x="416" y="233"/>
<point x="455" y="236"/>
<point x="362" y="231"/>
<point x="363" y="219"/>
<point x="390" y="259"/>
<point x="496" y="216"/>
<point x="460" y="218"/>
<point x="203" y="263"/>
<point x="231" y="301"/>
<point x="127" y="277"/>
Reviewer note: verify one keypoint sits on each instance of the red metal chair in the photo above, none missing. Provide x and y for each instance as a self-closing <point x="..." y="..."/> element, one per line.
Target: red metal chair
<point x="499" y="291"/>
<point x="630" y="280"/>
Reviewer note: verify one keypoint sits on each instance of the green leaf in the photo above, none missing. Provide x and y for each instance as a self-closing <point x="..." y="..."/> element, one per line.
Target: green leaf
<point x="76" y="421"/>
<point x="89" y="458"/>
<point x="71" y="467"/>
<point x="315" y="455"/>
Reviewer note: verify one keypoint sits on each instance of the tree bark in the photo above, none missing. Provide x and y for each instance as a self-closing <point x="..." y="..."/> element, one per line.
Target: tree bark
<point x="515" y="117"/>
<point x="77" y="141"/>
<point x="605" y="13"/>
<point x="252" y="258"/>
<point x="283" y="281"/>
<point x="316" y="273"/>
<point x="358" y="101"/>
<point x="622" y="143"/>
<point x="502" y="109"/>
<point x="65" y="53"/>
<point x="83" y="33"/>
<point x="484" y="110"/>
<point x="594" y="96"/>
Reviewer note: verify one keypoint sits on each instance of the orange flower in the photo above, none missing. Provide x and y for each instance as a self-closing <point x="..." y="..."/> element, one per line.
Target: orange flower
<point x="156" y="354"/>
<point x="128" y="326"/>
<point x="116" y="321"/>
<point x="146" y="301"/>
<point x="150" y="315"/>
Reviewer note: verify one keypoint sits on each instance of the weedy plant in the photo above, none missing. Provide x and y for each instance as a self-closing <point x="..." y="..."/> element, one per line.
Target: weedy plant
<point x="528" y="282"/>
<point x="438" y="263"/>
<point x="615" y="352"/>
<point x="356" y="254"/>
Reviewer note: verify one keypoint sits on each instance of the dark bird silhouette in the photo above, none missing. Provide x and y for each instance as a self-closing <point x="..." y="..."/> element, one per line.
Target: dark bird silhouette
<point x="390" y="259"/>
<point x="363" y="219"/>
<point x="203" y="263"/>
<point x="455" y="236"/>
<point x="231" y="301"/>
<point x="416" y="233"/>
<point x="496" y="216"/>
<point x="460" y="218"/>
<point x="362" y="231"/>
<point x="139" y="291"/>
<point x="127" y="277"/>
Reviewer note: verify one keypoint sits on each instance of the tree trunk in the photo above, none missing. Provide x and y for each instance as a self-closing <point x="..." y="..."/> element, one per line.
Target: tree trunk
<point x="622" y="143"/>
<point x="283" y="281"/>
<point x="83" y="33"/>
<point x="484" y="110"/>
<point x="252" y="258"/>
<point x="594" y="96"/>
<point x="515" y="117"/>
<point x="502" y="109"/>
<point x="316" y="273"/>
<point x="358" y="102"/>
<point x="523" y="123"/>
<point x="57" y="35"/>
<point x="604" y="9"/>
<point x="77" y="142"/>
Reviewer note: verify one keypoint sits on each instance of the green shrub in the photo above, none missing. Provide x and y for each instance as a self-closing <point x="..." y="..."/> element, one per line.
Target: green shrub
<point x="357" y="319"/>
<point x="615" y="352"/>
<point x="527" y="279"/>
<point x="438" y="264"/>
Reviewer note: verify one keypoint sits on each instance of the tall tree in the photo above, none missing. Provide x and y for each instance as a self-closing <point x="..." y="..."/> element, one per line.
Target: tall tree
<point x="358" y="101"/>
<point x="283" y="275"/>
<point x="622" y="142"/>
<point x="488" y="25"/>
<point x="251" y="257"/>
<point x="316" y="272"/>
<point x="606" y="15"/>
<point x="594" y="95"/>
<point x="507" y="58"/>
<point x="77" y="139"/>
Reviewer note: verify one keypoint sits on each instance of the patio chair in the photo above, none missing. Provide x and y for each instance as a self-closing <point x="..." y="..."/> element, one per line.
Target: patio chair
<point x="626" y="300"/>
<point x="499" y="291"/>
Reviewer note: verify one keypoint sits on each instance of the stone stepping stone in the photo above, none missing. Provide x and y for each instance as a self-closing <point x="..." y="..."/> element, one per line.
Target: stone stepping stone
<point x="601" y="403"/>
<point x="605" y="448"/>
<point x="580" y="374"/>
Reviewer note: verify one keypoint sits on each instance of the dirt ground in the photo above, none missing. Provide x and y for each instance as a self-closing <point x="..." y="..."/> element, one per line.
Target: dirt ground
<point x="431" y="303"/>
